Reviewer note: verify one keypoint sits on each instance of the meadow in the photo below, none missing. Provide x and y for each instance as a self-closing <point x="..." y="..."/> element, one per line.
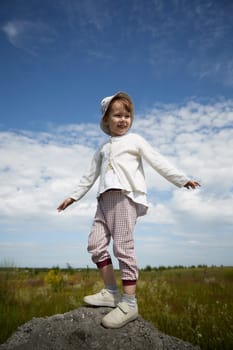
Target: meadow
<point x="194" y="303"/>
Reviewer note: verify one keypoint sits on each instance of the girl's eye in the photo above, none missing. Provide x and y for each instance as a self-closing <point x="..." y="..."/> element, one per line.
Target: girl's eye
<point x="121" y="116"/>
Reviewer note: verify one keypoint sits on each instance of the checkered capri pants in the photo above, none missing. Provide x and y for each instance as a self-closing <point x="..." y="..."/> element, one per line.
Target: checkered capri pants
<point x="115" y="218"/>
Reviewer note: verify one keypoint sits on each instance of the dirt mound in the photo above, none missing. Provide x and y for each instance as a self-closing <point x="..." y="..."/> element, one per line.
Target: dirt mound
<point x="81" y="329"/>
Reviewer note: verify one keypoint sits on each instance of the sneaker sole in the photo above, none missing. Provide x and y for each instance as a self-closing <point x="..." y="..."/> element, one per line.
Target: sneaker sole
<point x="120" y="325"/>
<point x="99" y="303"/>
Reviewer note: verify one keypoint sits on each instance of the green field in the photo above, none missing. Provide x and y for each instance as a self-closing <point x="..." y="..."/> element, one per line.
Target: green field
<point x="194" y="304"/>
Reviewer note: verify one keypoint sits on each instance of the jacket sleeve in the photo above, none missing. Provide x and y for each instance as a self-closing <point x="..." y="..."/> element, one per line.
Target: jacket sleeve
<point x="89" y="178"/>
<point x="161" y="165"/>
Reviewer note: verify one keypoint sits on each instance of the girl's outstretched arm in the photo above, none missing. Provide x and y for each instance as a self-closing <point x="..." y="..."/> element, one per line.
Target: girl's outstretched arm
<point x="192" y="183"/>
<point x="65" y="204"/>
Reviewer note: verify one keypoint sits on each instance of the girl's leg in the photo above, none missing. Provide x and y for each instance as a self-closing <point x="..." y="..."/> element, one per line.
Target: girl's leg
<point x="129" y="293"/>
<point x="109" y="296"/>
<point x="98" y="242"/>
<point x="123" y="243"/>
<point x="115" y="217"/>
<point x="130" y="290"/>
<point x="107" y="274"/>
<point x="119" y="215"/>
<point x="122" y="229"/>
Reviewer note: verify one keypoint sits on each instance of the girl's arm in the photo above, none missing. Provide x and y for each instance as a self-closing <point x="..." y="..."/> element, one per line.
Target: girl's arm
<point x="65" y="204"/>
<point x="89" y="177"/>
<point x="192" y="183"/>
<point x="85" y="183"/>
<point x="161" y="164"/>
<point x="165" y="168"/>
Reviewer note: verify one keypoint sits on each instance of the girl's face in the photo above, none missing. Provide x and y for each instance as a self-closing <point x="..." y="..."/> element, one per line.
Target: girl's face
<point x="118" y="119"/>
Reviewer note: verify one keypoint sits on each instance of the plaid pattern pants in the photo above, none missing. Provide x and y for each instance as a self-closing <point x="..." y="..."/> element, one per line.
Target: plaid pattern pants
<point x="115" y="218"/>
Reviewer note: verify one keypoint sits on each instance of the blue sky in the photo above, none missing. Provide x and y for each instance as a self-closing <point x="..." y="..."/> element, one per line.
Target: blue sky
<point x="58" y="60"/>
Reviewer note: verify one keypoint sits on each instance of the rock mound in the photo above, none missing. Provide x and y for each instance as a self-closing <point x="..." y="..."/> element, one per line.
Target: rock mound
<point x="81" y="329"/>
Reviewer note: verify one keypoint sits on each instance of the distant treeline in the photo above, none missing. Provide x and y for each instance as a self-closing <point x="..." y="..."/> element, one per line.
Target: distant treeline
<point x="72" y="269"/>
<point x="178" y="267"/>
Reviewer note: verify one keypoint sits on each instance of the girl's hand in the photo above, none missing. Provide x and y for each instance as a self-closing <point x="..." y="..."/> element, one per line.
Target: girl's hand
<point x="193" y="184"/>
<point x="65" y="204"/>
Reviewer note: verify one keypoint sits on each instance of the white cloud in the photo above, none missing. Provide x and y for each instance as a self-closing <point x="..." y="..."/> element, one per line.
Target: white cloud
<point x="34" y="174"/>
<point x="38" y="170"/>
<point x="29" y="35"/>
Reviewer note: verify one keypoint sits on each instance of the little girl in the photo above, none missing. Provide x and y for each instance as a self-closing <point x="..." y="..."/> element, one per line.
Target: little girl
<point x="121" y="199"/>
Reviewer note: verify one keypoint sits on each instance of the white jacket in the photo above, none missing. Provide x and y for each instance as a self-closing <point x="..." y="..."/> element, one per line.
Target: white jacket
<point x="124" y="154"/>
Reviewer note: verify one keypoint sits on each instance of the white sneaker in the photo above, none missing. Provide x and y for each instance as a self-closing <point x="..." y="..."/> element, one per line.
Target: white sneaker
<point x="103" y="298"/>
<point x="120" y="316"/>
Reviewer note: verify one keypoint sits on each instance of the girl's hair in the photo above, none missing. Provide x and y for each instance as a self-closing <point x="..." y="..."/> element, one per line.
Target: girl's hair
<point x="125" y="102"/>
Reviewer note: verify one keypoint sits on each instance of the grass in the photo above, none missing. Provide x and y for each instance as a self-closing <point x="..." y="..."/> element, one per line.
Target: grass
<point x="194" y="304"/>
